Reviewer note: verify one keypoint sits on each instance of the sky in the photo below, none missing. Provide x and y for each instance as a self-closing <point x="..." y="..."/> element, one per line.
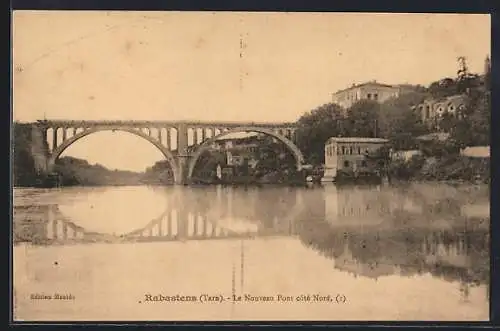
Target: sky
<point x="219" y="65"/>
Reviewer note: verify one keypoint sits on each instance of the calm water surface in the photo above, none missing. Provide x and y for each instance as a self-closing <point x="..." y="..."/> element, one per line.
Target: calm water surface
<point x="411" y="252"/>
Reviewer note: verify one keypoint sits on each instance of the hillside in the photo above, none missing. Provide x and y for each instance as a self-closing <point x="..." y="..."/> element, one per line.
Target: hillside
<point x="74" y="171"/>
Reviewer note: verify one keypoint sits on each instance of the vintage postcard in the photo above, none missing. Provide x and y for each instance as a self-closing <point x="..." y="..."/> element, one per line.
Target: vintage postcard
<point x="230" y="166"/>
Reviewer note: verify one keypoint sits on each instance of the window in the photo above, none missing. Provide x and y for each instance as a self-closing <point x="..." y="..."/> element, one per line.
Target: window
<point x="369" y="96"/>
<point x="363" y="163"/>
<point x="375" y="96"/>
<point x="346" y="164"/>
<point x="343" y="150"/>
<point x="359" y="150"/>
<point x="350" y="150"/>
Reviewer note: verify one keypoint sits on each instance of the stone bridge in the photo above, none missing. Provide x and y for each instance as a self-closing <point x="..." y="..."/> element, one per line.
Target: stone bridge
<point x="181" y="142"/>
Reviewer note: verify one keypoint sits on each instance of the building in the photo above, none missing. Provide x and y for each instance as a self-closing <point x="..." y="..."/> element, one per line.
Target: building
<point x="431" y="110"/>
<point x="366" y="91"/>
<point x="237" y="141"/>
<point x="240" y="151"/>
<point x="349" y="155"/>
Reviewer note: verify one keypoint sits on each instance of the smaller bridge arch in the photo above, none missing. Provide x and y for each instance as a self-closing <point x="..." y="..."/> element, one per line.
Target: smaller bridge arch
<point x="66" y="143"/>
<point x="299" y="158"/>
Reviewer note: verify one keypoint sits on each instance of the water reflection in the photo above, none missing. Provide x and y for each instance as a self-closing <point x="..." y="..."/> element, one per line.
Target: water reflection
<point x="369" y="232"/>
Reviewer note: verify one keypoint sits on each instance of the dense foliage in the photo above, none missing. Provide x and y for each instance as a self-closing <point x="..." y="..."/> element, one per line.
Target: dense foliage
<point x="447" y="168"/>
<point x="398" y="120"/>
<point x="159" y="173"/>
<point x="315" y="127"/>
<point x="73" y="171"/>
<point x="23" y="164"/>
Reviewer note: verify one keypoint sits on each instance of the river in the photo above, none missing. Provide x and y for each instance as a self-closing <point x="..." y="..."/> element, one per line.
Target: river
<point x="400" y="252"/>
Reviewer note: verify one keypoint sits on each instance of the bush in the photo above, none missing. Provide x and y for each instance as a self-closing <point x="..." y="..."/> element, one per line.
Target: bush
<point x="448" y="167"/>
<point x="401" y="169"/>
<point x="440" y="148"/>
<point x="457" y="168"/>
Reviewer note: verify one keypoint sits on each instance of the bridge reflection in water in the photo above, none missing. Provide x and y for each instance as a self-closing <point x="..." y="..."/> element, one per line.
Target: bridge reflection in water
<point x="217" y="214"/>
<point x="367" y="232"/>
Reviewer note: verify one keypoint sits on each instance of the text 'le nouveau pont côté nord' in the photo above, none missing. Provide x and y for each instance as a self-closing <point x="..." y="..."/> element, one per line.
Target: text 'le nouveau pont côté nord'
<point x="219" y="298"/>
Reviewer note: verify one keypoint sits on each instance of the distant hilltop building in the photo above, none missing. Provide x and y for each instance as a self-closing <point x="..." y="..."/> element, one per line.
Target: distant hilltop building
<point x="368" y="91"/>
<point x="432" y="110"/>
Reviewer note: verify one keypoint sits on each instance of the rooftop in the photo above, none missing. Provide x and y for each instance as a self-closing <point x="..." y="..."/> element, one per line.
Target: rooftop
<point x="374" y="82"/>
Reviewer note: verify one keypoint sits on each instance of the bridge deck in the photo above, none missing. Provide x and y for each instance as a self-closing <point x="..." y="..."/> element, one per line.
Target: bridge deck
<point x="134" y="123"/>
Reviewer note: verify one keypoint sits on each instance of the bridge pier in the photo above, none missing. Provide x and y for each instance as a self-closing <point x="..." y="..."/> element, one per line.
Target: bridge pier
<point x="39" y="150"/>
<point x="183" y="156"/>
<point x="182" y="170"/>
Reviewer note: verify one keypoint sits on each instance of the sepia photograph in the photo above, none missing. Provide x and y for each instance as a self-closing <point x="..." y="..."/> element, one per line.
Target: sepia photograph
<point x="250" y="166"/>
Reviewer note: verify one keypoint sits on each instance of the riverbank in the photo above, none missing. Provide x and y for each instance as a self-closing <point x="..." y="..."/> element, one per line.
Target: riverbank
<point x="449" y="168"/>
<point x="270" y="178"/>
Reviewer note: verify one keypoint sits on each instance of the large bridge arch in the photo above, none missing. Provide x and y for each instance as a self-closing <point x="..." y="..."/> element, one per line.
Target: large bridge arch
<point x="68" y="142"/>
<point x="299" y="158"/>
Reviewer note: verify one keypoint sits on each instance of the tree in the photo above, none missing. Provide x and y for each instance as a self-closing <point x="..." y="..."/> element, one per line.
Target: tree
<point x="472" y="127"/>
<point x="379" y="159"/>
<point x="362" y="119"/>
<point x="24" y="164"/>
<point x="481" y="119"/>
<point x="315" y="127"/>
<point x="443" y="88"/>
<point x="207" y="164"/>
<point x="400" y="122"/>
<point x="487" y="73"/>
<point x="467" y="83"/>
